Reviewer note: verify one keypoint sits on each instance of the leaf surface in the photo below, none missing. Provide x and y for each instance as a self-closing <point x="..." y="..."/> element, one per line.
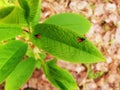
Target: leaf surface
<point x="10" y="55"/>
<point x="94" y="75"/>
<point x="16" y="16"/>
<point x="77" y="23"/>
<point x="9" y="31"/>
<point x="59" y="77"/>
<point x="32" y="9"/>
<point x="6" y="11"/>
<point x="20" y="75"/>
<point x="65" y="44"/>
<point x="2" y="3"/>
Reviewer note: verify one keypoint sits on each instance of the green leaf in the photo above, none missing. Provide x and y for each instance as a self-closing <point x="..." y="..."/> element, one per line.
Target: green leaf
<point x="10" y="55"/>
<point x="5" y="3"/>
<point x="65" y="44"/>
<point x="77" y="23"/>
<point x="32" y="9"/>
<point x="9" y="31"/>
<point x="2" y="3"/>
<point x="93" y="75"/>
<point x="20" y="75"/>
<point x="5" y="11"/>
<point x="24" y="5"/>
<point x="1" y="45"/>
<point x="59" y="77"/>
<point x="16" y="16"/>
<point x="12" y="1"/>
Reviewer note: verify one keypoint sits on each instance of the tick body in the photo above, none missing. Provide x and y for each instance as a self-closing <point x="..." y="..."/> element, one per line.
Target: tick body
<point x="38" y="36"/>
<point x="80" y="39"/>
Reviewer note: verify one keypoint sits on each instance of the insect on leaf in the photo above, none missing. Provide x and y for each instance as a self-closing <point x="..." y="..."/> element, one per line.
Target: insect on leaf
<point x="65" y="44"/>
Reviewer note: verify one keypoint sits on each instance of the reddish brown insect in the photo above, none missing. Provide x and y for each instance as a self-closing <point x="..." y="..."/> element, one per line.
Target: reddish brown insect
<point x="80" y="39"/>
<point x="38" y="36"/>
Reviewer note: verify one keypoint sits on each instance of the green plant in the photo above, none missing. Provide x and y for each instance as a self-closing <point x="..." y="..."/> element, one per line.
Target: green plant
<point x="94" y="75"/>
<point x="24" y="44"/>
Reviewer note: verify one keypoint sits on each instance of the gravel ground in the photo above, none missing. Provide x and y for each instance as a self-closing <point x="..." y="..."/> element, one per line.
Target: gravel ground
<point x="105" y="34"/>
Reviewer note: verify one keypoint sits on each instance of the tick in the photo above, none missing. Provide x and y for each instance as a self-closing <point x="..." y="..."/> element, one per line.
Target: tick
<point x="80" y="39"/>
<point x="38" y="36"/>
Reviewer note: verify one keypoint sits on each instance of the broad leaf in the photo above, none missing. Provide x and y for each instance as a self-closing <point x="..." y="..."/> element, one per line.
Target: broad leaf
<point x="65" y="44"/>
<point x="59" y="77"/>
<point x="9" y="31"/>
<point x="20" y="75"/>
<point x="16" y="16"/>
<point x="10" y="55"/>
<point x="32" y="9"/>
<point x="77" y="23"/>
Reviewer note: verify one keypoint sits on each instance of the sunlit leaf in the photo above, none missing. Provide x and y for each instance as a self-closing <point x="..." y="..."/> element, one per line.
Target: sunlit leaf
<point x="16" y="16"/>
<point x="20" y="75"/>
<point x="10" y="55"/>
<point x="32" y="9"/>
<point x="77" y="23"/>
<point x="65" y="44"/>
<point x="9" y="31"/>
<point x="59" y="77"/>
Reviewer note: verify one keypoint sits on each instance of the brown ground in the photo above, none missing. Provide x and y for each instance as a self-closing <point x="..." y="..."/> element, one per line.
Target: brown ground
<point x="105" y="34"/>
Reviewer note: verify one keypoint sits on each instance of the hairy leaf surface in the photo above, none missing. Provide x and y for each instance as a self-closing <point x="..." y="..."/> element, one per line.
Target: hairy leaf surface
<point x="65" y="44"/>
<point x="59" y="77"/>
<point x="77" y="23"/>
<point x="10" y="55"/>
<point x="9" y="31"/>
<point x="20" y="75"/>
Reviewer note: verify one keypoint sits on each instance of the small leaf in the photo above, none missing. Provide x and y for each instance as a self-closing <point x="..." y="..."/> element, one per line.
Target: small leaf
<point x="9" y="31"/>
<point x="77" y="23"/>
<point x="5" y="11"/>
<point x="20" y="75"/>
<point x="93" y="75"/>
<point x="32" y="9"/>
<point x="34" y="16"/>
<point x="63" y="43"/>
<point x="10" y="55"/>
<point x="24" y="5"/>
<point x="59" y="77"/>
<point x="15" y="17"/>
